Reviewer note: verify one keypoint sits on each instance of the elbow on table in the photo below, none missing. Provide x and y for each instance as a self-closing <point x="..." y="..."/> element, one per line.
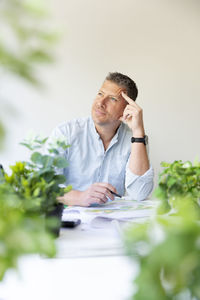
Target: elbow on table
<point x="142" y="193"/>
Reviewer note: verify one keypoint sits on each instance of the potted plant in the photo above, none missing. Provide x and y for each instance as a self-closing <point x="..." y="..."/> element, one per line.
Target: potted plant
<point x="37" y="182"/>
<point x="29" y="211"/>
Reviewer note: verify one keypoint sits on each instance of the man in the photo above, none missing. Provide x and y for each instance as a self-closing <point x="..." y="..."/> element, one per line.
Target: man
<point x="107" y="151"/>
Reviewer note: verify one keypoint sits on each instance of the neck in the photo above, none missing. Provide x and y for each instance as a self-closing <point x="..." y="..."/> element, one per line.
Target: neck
<point x="106" y="133"/>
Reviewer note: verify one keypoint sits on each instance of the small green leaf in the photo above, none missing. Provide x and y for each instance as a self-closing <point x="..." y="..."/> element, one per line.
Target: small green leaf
<point x="26" y="145"/>
<point x="54" y="151"/>
<point x="47" y="161"/>
<point x="36" y="192"/>
<point x="37" y="158"/>
<point x="60" y="162"/>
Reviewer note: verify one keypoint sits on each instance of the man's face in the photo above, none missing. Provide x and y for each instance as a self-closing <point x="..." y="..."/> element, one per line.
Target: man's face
<point x="108" y="105"/>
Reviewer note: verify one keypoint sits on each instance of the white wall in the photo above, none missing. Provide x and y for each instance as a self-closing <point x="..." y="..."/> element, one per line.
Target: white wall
<point x="156" y="42"/>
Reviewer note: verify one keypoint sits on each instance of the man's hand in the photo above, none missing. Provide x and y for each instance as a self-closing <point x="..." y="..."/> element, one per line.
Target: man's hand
<point x="96" y="193"/>
<point x="133" y="117"/>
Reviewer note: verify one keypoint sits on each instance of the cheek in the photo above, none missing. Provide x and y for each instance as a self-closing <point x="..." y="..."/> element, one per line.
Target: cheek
<point x="94" y="103"/>
<point x="121" y="110"/>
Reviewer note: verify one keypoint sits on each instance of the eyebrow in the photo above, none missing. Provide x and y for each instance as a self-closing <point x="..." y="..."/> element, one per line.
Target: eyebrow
<point x="115" y="96"/>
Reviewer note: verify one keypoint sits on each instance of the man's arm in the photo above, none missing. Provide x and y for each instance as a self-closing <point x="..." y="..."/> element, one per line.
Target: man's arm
<point x="96" y="193"/>
<point x="133" y="117"/>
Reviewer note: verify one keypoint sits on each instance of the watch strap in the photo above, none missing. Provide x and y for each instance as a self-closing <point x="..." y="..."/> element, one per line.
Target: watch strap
<point x="139" y="140"/>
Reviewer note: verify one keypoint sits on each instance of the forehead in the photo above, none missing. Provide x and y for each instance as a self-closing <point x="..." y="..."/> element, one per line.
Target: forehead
<point x="111" y="88"/>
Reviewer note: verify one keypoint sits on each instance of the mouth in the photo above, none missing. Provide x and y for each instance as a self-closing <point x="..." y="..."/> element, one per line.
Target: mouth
<point x="99" y="112"/>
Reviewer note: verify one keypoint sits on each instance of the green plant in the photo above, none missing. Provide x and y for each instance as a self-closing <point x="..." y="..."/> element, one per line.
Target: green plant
<point x="167" y="247"/>
<point x="178" y="179"/>
<point x="37" y="181"/>
<point x="167" y="251"/>
<point x="19" y="233"/>
<point x="27" y="197"/>
<point x="26" y="41"/>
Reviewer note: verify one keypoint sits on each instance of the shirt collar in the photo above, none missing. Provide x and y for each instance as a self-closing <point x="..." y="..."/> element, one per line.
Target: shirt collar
<point x="116" y="136"/>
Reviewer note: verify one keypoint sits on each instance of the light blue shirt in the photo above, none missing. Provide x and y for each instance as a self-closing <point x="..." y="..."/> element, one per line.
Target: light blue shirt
<point x="90" y="163"/>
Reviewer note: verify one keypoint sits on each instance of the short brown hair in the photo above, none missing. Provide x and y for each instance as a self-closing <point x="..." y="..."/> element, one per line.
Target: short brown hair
<point x="124" y="81"/>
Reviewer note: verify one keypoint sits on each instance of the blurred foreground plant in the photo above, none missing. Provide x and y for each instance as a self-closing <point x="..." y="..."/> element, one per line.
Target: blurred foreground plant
<point x="19" y="233"/>
<point x="167" y="247"/>
<point x="26" y="42"/>
<point x="178" y="179"/>
<point x="167" y="251"/>
<point x="27" y="199"/>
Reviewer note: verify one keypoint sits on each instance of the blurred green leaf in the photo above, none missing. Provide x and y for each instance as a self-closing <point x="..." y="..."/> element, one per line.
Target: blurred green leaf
<point x="60" y="162"/>
<point x="25" y="44"/>
<point x="37" y="158"/>
<point x="2" y="135"/>
<point x="32" y="41"/>
<point x="167" y="248"/>
<point x="178" y="179"/>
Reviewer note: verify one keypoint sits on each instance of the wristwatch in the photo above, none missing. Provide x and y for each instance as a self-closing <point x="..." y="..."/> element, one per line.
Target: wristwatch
<point x="143" y="140"/>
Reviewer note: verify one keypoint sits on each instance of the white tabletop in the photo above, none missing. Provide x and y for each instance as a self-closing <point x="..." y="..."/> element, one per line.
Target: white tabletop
<point x="91" y="264"/>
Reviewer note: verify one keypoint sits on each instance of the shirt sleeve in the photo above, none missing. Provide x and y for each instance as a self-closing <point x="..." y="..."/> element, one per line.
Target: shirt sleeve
<point x="139" y="187"/>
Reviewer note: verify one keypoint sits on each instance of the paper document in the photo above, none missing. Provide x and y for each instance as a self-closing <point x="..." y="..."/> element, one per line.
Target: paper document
<point x="123" y="210"/>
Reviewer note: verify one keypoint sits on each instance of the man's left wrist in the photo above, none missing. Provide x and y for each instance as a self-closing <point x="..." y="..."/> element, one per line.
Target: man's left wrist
<point x="143" y="139"/>
<point x="138" y="133"/>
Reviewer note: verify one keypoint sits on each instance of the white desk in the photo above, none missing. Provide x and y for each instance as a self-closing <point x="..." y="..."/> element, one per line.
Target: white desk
<point x="81" y="242"/>
<point x="73" y="274"/>
<point x="90" y="264"/>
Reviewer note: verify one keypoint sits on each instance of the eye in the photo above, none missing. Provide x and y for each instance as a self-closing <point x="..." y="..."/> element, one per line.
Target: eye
<point x="100" y="94"/>
<point x="113" y="99"/>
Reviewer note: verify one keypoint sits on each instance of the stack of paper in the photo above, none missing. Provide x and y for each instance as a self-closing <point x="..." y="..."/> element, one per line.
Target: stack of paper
<point x="122" y="210"/>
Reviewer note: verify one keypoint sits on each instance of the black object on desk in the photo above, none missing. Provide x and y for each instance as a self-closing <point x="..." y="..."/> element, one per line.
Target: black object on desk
<point x="70" y="223"/>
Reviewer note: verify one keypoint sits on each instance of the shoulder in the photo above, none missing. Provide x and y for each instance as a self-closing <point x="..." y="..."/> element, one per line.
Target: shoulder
<point x="71" y="128"/>
<point x="75" y="124"/>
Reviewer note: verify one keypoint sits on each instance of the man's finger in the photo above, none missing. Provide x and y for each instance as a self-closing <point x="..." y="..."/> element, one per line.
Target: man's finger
<point x="106" y="185"/>
<point x="103" y="191"/>
<point x="130" y="112"/>
<point x="99" y="195"/>
<point x="129" y="100"/>
<point x="122" y="119"/>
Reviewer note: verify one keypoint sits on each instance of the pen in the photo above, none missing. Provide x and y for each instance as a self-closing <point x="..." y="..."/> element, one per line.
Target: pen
<point x="115" y="194"/>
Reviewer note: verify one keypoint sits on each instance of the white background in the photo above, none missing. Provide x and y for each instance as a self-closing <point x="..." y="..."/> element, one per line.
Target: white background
<point x="156" y="42"/>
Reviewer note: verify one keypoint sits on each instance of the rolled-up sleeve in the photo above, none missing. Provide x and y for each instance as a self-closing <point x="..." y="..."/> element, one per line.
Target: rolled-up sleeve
<point x="139" y="187"/>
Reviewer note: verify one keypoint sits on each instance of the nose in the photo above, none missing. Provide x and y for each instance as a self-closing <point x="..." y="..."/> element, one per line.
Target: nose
<point x="102" y="101"/>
